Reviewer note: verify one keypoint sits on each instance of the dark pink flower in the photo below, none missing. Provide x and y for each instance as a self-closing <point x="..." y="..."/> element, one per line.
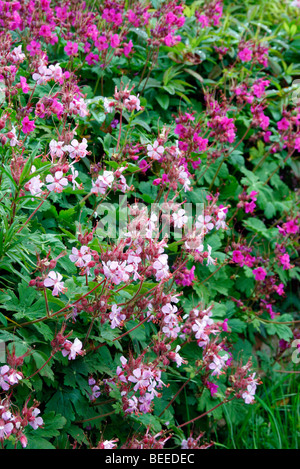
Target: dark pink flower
<point x="259" y="273"/>
<point x="28" y="126"/>
<point x="71" y="48"/>
<point x="245" y="55"/>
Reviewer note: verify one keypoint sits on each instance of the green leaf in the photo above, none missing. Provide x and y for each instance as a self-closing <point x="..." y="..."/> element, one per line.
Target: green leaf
<point x="163" y="100"/>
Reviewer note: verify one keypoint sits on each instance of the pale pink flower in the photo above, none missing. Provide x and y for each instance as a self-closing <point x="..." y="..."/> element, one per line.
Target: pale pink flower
<point x="77" y="150"/>
<point x="132" y="103"/>
<point x="4" y="378"/>
<point x="109" y="105"/>
<point x="161" y="267"/>
<point x="103" y="182"/>
<point x="57" y="183"/>
<point x="204" y="223"/>
<point x="248" y="395"/>
<point x="35" y="186"/>
<point x="56" y="148"/>
<point x="54" y="280"/>
<point x="116" y="317"/>
<point x="109" y="444"/>
<point x="13" y="141"/>
<point x="81" y="257"/>
<point x="16" y="55"/>
<point x="183" y="178"/>
<point x="43" y="76"/>
<point x="38" y="421"/>
<point x="56" y="72"/>
<point x="155" y="151"/>
<point x="179" y="218"/>
<point x="72" y="350"/>
<point x="5" y="429"/>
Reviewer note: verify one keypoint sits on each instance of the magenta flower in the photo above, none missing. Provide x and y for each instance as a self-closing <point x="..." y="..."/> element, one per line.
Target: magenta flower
<point x="92" y="58"/>
<point x="250" y="206"/>
<point x="24" y="85"/>
<point x="101" y="43"/>
<point x="238" y="257"/>
<point x="245" y="55"/>
<point x="71" y="48"/>
<point x="291" y="227"/>
<point x="283" y="124"/>
<point x="212" y="387"/>
<point x="114" y="40"/>
<point x="127" y="48"/>
<point x="34" y="48"/>
<point x="279" y="289"/>
<point x="28" y="126"/>
<point x="285" y="261"/>
<point x="259" y="273"/>
<point x="297" y="144"/>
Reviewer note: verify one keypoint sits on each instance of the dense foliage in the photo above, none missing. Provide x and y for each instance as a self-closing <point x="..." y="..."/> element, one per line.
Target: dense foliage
<point x="149" y="223"/>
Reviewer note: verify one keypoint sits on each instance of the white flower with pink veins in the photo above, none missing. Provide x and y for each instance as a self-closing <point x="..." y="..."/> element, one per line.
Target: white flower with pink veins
<point x="140" y="378"/>
<point x="56" y="148"/>
<point x="74" y="176"/>
<point x="56" y="71"/>
<point x="155" y="151"/>
<point x="171" y="330"/>
<point x="77" y="150"/>
<point x="221" y="216"/>
<point x="14" y="141"/>
<point x="199" y="328"/>
<point x="5" y="429"/>
<point x="204" y="224"/>
<point x="4" y="378"/>
<point x="210" y="260"/>
<point x="176" y="357"/>
<point x="248" y="395"/>
<point x="132" y="103"/>
<point x="183" y="178"/>
<point x="116" y="272"/>
<point x="17" y="55"/>
<point x="161" y="267"/>
<point x="57" y="183"/>
<point x="54" y="280"/>
<point x="194" y="243"/>
<point x="103" y="182"/>
<point x="78" y="106"/>
<point x="35" y="185"/>
<point x="168" y="309"/>
<point x="37" y="421"/>
<point x="109" y="444"/>
<point x="179" y="218"/>
<point x="217" y="364"/>
<point x="109" y="105"/>
<point x="116" y="317"/>
<point x="14" y="377"/>
<point x="43" y="76"/>
<point x="81" y="257"/>
<point x="72" y="350"/>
